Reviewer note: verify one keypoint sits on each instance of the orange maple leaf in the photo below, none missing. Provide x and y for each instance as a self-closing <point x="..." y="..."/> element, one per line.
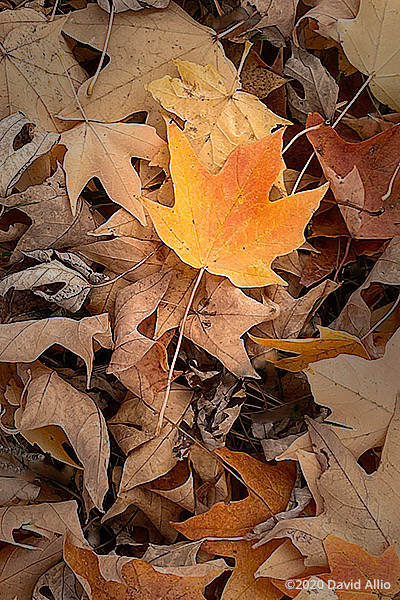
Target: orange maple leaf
<point x="225" y="223"/>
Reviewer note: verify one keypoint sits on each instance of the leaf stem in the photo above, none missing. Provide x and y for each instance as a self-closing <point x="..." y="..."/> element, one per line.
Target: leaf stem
<point x="103" y="54"/>
<point x="177" y="349"/>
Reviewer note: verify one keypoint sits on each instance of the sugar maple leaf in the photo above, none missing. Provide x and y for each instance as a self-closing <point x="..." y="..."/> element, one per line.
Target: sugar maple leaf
<point x="272" y="486"/>
<point x="104" y="150"/>
<point x="351" y="563"/>
<point x="226" y="223"/>
<point x="362" y="173"/>
<point x="330" y="344"/>
<point x="358" y="507"/>
<point x="138" y="579"/>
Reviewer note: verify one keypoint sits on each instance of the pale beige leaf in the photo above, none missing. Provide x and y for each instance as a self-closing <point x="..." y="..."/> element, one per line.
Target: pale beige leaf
<point x="284" y="562"/>
<point x="367" y="42"/>
<point x="53" y="225"/>
<point x="15" y="490"/>
<point x="174" y="555"/>
<point x="327" y="12"/>
<point x="218" y="119"/>
<point x="27" y="340"/>
<point x="50" y="400"/>
<point x="33" y="78"/>
<point x="104" y="150"/>
<point x="70" y="296"/>
<point x="13" y="162"/>
<point x="164" y="35"/>
<point x="20" y="568"/>
<point x="123" y="5"/>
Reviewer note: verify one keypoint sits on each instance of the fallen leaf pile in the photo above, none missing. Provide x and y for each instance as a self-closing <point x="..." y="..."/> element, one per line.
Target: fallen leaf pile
<point x="199" y="300"/>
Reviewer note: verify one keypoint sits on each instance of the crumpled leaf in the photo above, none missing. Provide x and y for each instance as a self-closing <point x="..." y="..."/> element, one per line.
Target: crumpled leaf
<point x="330" y="344"/>
<point x="320" y="89"/>
<point x="25" y="341"/>
<point x="70" y="296"/>
<point x="276" y="14"/>
<point x="133" y="305"/>
<point x="104" y="150"/>
<point x="362" y="508"/>
<point x="15" y="161"/>
<point x="53" y="225"/>
<point x="363" y="173"/>
<point x="169" y="33"/>
<point x="225" y="223"/>
<point x="34" y="79"/>
<point x="137" y="578"/>
<point x="20" y="568"/>
<point x="272" y="485"/>
<point x="217" y="118"/>
<point x="50" y="400"/>
<point x="374" y="54"/>
<point x="327" y="12"/>
<point x="61" y="582"/>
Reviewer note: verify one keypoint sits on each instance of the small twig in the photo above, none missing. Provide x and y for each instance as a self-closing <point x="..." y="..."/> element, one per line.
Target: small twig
<point x="103" y="54"/>
<point x="53" y="12"/>
<point x="177" y="349"/>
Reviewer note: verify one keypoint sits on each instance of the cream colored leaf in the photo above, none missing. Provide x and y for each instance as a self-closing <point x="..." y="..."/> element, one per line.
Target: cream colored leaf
<point x="367" y="42"/>
<point x="104" y="150"/>
<point x="14" y="162"/>
<point x="218" y="118"/>
<point x="33" y="78"/>
<point x="70" y="296"/>
<point x="50" y="400"/>
<point x="141" y="48"/>
<point x="25" y="341"/>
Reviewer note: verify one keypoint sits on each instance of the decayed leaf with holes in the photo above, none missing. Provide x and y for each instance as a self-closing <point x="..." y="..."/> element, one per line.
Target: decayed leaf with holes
<point x="38" y="69"/>
<point x="132" y="306"/>
<point x="25" y="341"/>
<point x="15" y="161"/>
<point x="362" y="508"/>
<point x="225" y="223"/>
<point x="220" y="316"/>
<point x="218" y="119"/>
<point x="72" y="294"/>
<point x="242" y="583"/>
<point x="330" y="344"/>
<point x="374" y="54"/>
<point x="52" y="401"/>
<point x="272" y="486"/>
<point x="53" y="225"/>
<point x="165" y="34"/>
<point x="320" y="89"/>
<point x="104" y="150"/>
<point x="364" y="174"/>
<point x="136" y="578"/>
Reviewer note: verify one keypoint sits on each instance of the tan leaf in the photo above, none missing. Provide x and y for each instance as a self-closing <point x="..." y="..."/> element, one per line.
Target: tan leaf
<point x="15" y="161"/>
<point x="123" y="5"/>
<point x="25" y="341"/>
<point x="52" y="401"/>
<point x="362" y="508"/>
<point x="34" y="79"/>
<point x="218" y="119"/>
<point x="104" y="150"/>
<point x="374" y="55"/>
<point x="15" y="490"/>
<point x="285" y="562"/>
<point x="70" y="296"/>
<point x="53" y="225"/>
<point x="133" y="305"/>
<point x="169" y="34"/>
<point x="327" y="12"/>
<point x="20" y="568"/>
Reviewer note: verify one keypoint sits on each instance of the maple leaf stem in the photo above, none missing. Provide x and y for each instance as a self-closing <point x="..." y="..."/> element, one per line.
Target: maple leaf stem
<point x="109" y="282"/>
<point x="104" y="51"/>
<point x="392" y="309"/>
<point x="296" y="137"/>
<point x="177" y="349"/>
